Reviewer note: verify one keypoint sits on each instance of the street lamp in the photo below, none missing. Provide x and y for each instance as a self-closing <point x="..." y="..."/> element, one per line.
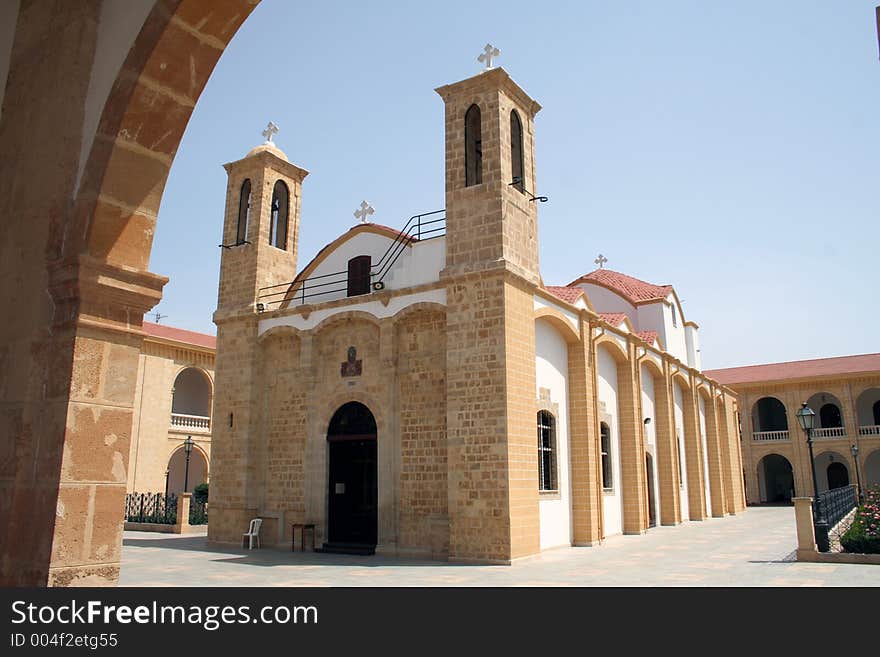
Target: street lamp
<point x="188" y="448"/>
<point x="807" y="418"/>
<point x="166" y="482"/>
<point x="854" y="450"/>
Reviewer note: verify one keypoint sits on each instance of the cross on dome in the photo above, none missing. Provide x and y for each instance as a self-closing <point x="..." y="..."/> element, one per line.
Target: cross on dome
<point x="489" y="53"/>
<point x="365" y="210"/>
<point x="269" y="132"/>
<point x="601" y="260"/>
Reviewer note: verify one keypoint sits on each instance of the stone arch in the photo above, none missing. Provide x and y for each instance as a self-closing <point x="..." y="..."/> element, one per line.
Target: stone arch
<point x="775" y="478"/>
<point x="832" y="470"/>
<point x="192" y="393"/>
<point x="348" y="315"/>
<point x="92" y="229"/>
<point x="828" y="409"/>
<point x="277" y="332"/>
<point x="422" y="306"/>
<point x="769" y="414"/>
<point x="177" y="474"/>
<point x="560" y="323"/>
<point x="868" y="409"/>
<point x="667" y="502"/>
<point x="872" y="469"/>
<point x="142" y="124"/>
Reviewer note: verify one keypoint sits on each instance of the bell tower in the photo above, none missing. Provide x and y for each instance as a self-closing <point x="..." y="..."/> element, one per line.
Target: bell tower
<point x="491" y="215"/>
<point x="260" y="240"/>
<point x="260" y="227"/>
<point x="491" y="275"/>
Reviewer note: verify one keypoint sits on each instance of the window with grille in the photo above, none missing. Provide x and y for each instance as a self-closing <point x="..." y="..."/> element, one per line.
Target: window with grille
<point x="607" y="470"/>
<point x="546" y="452"/>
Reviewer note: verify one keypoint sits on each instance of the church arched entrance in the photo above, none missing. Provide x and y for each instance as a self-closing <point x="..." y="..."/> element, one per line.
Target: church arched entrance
<point x="353" y="519"/>
<point x="777" y="479"/>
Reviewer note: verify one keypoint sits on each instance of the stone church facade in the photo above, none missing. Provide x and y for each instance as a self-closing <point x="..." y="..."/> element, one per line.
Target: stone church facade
<point x="422" y="392"/>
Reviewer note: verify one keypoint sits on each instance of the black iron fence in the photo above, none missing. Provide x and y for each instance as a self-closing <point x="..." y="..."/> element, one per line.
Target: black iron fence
<point x="198" y="512"/>
<point x="830" y="509"/>
<point x="151" y="507"/>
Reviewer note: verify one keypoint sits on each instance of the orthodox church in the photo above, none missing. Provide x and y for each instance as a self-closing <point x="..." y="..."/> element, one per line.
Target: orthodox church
<point x="420" y="391"/>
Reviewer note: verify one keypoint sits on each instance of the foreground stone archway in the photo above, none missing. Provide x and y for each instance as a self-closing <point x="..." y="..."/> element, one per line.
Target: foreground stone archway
<point x="79" y="200"/>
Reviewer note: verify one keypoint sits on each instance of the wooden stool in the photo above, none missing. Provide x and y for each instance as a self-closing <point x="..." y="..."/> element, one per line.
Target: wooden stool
<point x="303" y="528"/>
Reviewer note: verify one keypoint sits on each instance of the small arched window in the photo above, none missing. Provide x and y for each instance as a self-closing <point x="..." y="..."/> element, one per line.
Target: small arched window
<point x="607" y="471"/>
<point x="473" y="147"/>
<point x="517" y="168"/>
<point x="546" y="452"/>
<point x="278" y="219"/>
<point x="244" y="212"/>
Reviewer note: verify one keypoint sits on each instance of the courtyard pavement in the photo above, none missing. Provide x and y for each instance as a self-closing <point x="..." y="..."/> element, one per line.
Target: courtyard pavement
<point x="755" y="548"/>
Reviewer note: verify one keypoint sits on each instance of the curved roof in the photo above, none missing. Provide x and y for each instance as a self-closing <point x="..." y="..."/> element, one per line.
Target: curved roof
<point x="634" y="290"/>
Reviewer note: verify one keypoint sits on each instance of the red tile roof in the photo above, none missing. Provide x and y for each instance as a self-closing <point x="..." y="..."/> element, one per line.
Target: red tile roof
<point x="648" y="336"/>
<point x="797" y="369"/>
<point x="632" y="289"/>
<point x="180" y="335"/>
<point x="569" y="294"/>
<point x="615" y="319"/>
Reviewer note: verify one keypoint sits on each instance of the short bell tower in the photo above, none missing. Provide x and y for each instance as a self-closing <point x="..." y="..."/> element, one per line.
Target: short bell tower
<point x="260" y="227"/>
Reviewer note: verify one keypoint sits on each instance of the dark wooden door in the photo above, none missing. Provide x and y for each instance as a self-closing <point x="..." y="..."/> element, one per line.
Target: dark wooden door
<point x="353" y="507"/>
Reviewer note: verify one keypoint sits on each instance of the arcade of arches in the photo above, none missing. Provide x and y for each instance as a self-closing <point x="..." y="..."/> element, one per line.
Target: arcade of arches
<point x="844" y="394"/>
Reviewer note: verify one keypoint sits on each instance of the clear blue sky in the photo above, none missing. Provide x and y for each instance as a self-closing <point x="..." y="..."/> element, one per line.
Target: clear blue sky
<point x="727" y="148"/>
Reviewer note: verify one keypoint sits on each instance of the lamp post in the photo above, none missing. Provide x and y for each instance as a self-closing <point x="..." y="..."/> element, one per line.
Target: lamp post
<point x="854" y="450"/>
<point x="188" y="448"/>
<point x="807" y="418"/>
<point x="166" y="482"/>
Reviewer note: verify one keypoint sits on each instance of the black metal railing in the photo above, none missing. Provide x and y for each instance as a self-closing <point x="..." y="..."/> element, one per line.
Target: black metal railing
<point x="198" y="512"/>
<point x="830" y="508"/>
<point x="419" y="228"/>
<point x="157" y="508"/>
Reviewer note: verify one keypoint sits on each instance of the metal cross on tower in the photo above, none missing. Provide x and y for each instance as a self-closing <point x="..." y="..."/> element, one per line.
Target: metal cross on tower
<point x="601" y="260"/>
<point x="489" y="53"/>
<point x="270" y="131"/>
<point x="365" y="210"/>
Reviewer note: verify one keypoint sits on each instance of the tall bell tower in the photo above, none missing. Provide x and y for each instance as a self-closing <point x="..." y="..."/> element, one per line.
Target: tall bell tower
<point x="491" y="274"/>
<point x="261" y="225"/>
<point x="260" y="240"/>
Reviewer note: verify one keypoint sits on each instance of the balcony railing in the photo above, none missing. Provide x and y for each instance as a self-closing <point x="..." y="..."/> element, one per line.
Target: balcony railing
<point x="831" y="432"/>
<point x="870" y="430"/>
<point x="767" y="436"/>
<point x="195" y="423"/>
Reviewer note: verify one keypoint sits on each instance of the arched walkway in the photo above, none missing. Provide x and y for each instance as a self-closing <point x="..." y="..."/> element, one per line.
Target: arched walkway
<point x="832" y="470"/>
<point x="872" y="469"/>
<point x="776" y="479"/>
<point x="182" y="479"/>
<point x="837" y="476"/>
<point x="352" y="523"/>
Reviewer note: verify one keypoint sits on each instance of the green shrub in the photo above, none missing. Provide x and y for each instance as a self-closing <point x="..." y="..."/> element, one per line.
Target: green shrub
<point x="200" y="493"/>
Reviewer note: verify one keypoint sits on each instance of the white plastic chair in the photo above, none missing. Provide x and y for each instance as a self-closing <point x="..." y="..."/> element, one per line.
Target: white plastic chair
<point x="252" y="534"/>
